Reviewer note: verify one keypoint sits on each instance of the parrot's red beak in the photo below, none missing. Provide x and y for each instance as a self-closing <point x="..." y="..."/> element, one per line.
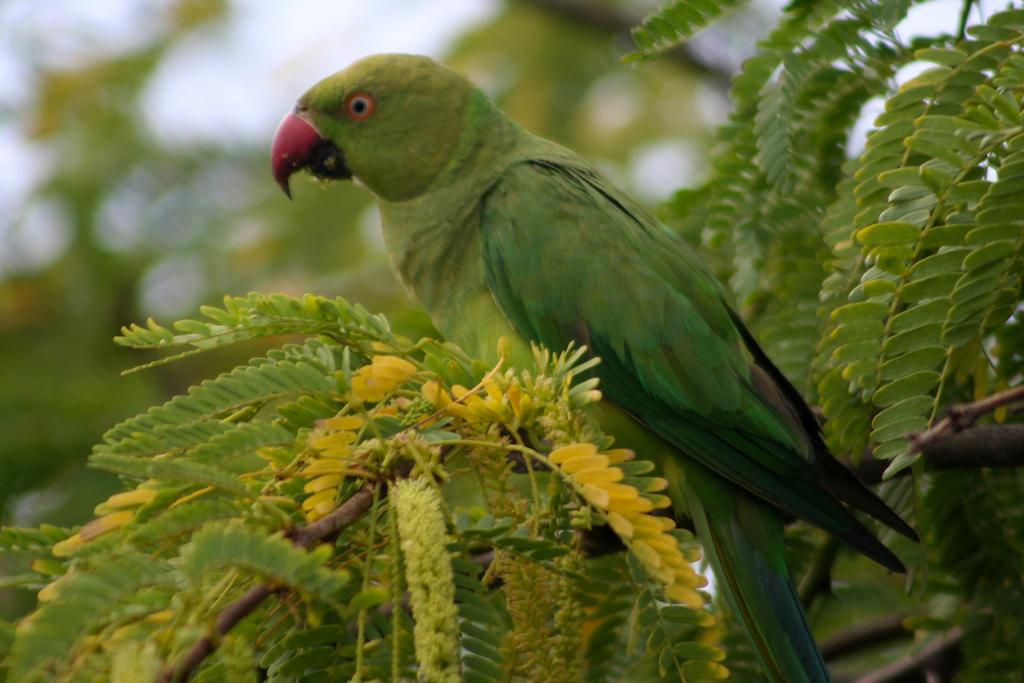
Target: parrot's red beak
<point x="296" y="146"/>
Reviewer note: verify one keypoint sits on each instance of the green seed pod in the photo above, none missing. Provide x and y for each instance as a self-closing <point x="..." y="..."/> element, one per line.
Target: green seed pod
<point x="428" y="573"/>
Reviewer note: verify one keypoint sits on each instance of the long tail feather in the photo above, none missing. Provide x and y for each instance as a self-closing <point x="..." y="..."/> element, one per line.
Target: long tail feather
<point x="845" y="485"/>
<point x="742" y="537"/>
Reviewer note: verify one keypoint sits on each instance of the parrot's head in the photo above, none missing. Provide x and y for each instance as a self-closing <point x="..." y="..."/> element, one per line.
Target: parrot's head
<point x="391" y="121"/>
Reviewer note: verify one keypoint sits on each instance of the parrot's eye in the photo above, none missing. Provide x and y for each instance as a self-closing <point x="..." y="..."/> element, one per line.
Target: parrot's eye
<point x="360" y="106"/>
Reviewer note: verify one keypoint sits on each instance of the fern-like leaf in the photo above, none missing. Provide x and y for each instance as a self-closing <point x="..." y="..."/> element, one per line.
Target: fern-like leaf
<point x="272" y="557"/>
<point x="158" y="430"/>
<point x="83" y="599"/>
<point x="171" y="470"/>
<point x="933" y="272"/>
<point x="32" y="542"/>
<point x="260" y="315"/>
<point x="674" y="22"/>
<point x="482" y="623"/>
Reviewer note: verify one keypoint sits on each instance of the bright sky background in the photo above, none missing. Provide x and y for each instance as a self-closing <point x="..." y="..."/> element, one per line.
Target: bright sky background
<point x="234" y="81"/>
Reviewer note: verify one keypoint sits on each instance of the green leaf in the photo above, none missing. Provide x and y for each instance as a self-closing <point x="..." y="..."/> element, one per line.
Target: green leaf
<point x="232" y="544"/>
<point x="898" y="430"/>
<point x="170" y="524"/>
<point x="929" y="287"/>
<point x="917" y="316"/>
<point x="88" y="597"/>
<point x="858" y="312"/>
<point x="927" y="358"/>
<point x="888" y="233"/>
<point x="371" y="597"/>
<point x="905" y="387"/>
<point x="926" y="335"/>
<point x="674" y="22"/>
<point x="855" y="351"/>
<point x="31" y="541"/>
<point x="903" y="410"/>
<point x="991" y="252"/>
<point x="945" y="56"/>
<point x="938" y="264"/>
<point x="171" y="470"/>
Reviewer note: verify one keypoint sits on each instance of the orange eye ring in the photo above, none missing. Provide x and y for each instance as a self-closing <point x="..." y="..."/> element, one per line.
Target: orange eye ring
<point x="360" y="106"/>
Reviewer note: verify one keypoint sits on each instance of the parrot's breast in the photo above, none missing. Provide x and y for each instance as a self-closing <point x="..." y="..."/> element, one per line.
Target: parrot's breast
<point x="435" y="251"/>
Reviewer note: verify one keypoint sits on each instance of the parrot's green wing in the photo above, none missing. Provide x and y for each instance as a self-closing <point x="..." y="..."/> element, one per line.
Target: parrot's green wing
<point x="570" y="259"/>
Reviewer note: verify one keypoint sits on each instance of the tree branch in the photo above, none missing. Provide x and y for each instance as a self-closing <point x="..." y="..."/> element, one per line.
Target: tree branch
<point x="980" y="446"/>
<point x="611" y="21"/>
<point x="920" y="660"/>
<point x="864" y="637"/>
<point x="965" y="14"/>
<point x="962" y="417"/>
<point x="818" y="578"/>
<point x="304" y="537"/>
<point x="329" y="526"/>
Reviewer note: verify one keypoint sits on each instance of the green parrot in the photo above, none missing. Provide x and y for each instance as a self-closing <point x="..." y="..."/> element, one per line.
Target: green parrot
<point x="497" y="232"/>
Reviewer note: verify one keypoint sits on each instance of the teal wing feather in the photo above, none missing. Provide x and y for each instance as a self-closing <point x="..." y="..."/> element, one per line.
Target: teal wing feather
<point x="568" y="258"/>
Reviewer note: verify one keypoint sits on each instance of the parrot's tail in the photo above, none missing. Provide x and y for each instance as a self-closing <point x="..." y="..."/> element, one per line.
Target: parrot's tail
<point x="742" y="538"/>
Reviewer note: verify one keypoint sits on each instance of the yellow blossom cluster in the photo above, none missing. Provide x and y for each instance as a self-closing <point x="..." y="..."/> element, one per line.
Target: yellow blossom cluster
<point x="332" y="441"/>
<point x="115" y="512"/>
<point x="628" y="509"/>
<point x="494" y="405"/>
<point x="381" y="376"/>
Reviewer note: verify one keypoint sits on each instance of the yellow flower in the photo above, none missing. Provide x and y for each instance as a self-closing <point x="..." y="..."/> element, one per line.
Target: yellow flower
<point x="319" y="466"/>
<point x="108" y="522"/>
<point x="161" y="617"/>
<point x="489" y="409"/>
<point x="367" y="388"/>
<point x="67" y="546"/>
<point x="572" y="451"/>
<point x="382" y="376"/>
<point x="515" y="399"/>
<point x="620" y="455"/>
<point x="632" y="506"/>
<point x="321" y="509"/>
<point x="135" y="498"/>
<point x="332" y="440"/>
<point x="461" y="408"/>
<point x="327" y="481"/>
<point x="622" y="526"/>
<point x="333" y="444"/>
<point x="334" y="436"/>
<point x="320" y="503"/>
<point x="596" y="476"/>
<point x="48" y="592"/>
<point x="343" y="423"/>
<point x="494" y="406"/>
<point x="102" y="525"/>
<point x="585" y="463"/>
<point x="52" y="589"/>
<point x="627" y="507"/>
<point x="680" y="593"/>
<point x="436" y="394"/>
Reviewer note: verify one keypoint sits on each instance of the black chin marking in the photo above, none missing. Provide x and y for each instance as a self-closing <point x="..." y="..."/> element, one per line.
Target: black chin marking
<point x="328" y="162"/>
